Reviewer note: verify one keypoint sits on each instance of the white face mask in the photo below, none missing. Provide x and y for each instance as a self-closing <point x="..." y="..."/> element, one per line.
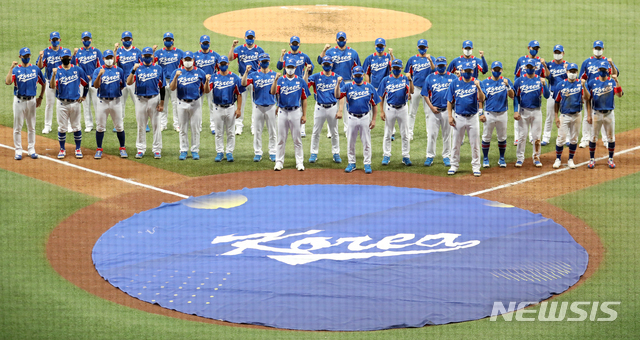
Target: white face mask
<point x="108" y="62"/>
<point x="467" y="52"/>
<point x="290" y="71"/>
<point x="572" y="76"/>
<point x="557" y="56"/>
<point x="597" y="53"/>
<point x="187" y="64"/>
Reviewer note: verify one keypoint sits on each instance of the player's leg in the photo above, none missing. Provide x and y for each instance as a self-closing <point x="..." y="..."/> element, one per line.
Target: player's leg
<point x="75" y="122"/>
<point x="50" y="102"/>
<point x="474" y="142"/>
<point x="222" y="128"/>
<point x="196" y="125"/>
<point x="573" y="127"/>
<point x="516" y="132"/>
<point x="587" y="130"/>
<point x="386" y="139"/>
<point x="142" y="116"/>
<point x="536" y="131"/>
<point x="212" y="124"/>
<point x="115" y="109"/>
<point x="548" y="121"/>
<point x="501" y="131"/>
<point x="282" y="136"/>
<point x="30" y="119"/>
<point x="352" y="134"/>
<point x="272" y="126"/>
<point x="456" y="140"/>
<point x="487" y="132"/>
<point x="164" y="115"/>
<point x="609" y="125"/>
<point x="87" y="105"/>
<point x="521" y="136"/>
<point x="183" y="119"/>
<point x="320" y="115"/>
<point x="258" y="117"/>
<point x="62" y="117"/>
<point x="402" y="116"/>
<point x="343" y="105"/>
<point x="332" y="125"/>
<point x="174" y="105"/>
<point x="239" y="122"/>
<point x="294" y="124"/>
<point x="101" y="122"/>
<point x="229" y="117"/>
<point x="19" y="108"/>
<point x="414" y="103"/>
<point x="563" y="135"/>
<point x="432" y="133"/>
<point x="365" y="136"/>
<point x="154" y="120"/>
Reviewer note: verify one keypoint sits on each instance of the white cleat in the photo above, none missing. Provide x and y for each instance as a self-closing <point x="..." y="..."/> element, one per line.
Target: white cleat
<point x="557" y="164"/>
<point x="583" y="144"/>
<point x="300" y="167"/>
<point x="278" y="166"/>
<point x="571" y="164"/>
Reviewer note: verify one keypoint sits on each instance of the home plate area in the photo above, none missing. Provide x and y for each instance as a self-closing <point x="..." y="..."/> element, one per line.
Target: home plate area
<point x="338" y="257"/>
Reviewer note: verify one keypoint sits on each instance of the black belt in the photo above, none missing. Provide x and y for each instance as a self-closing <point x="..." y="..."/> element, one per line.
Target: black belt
<point x="290" y="108"/>
<point x="264" y="105"/>
<point x="604" y="111"/>
<point x="188" y="100"/>
<point x="441" y="109"/>
<point x="148" y="97"/>
<point x="358" y="115"/>
<point x="108" y="98"/>
<point x="224" y="106"/>
<point x="326" y="106"/>
<point x="25" y="97"/>
<point x="570" y="113"/>
<point x="468" y="115"/>
<point x="68" y="100"/>
<point x="397" y="106"/>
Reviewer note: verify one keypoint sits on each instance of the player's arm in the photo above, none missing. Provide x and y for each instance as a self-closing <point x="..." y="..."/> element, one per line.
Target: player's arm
<point x="239" y="106"/>
<point x="323" y="53"/>
<point x="510" y="91"/>
<point x="232" y="54"/>
<point x="336" y="91"/>
<point x="274" y="86"/>
<point x="374" y="101"/>
<point x="131" y="78"/>
<point x="481" y="96"/>
<point x="243" y="82"/>
<point x="174" y="82"/>
<point x="9" y="79"/>
<point x="207" y="88"/>
<point x="160" y="106"/>
<point x="431" y="64"/>
<point x="303" y="119"/>
<point x="585" y="92"/>
<point x="618" y="90"/>
<point x="485" y="66"/>
<point x="40" y="62"/>
<point x="98" y="78"/>
<point x="42" y="87"/>
<point x="305" y="73"/>
<point x="52" y="83"/>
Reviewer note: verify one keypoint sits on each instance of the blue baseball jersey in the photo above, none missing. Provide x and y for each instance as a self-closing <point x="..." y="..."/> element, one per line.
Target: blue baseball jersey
<point x="324" y="87"/>
<point x="126" y="59"/>
<point x="496" y="94"/>
<point x="50" y="60"/>
<point x="291" y="91"/>
<point x="436" y="86"/>
<point x="343" y="61"/>
<point x="569" y="95"/>
<point x="169" y="60"/>
<point x="190" y="83"/>
<point x="420" y="68"/>
<point x="395" y="89"/>
<point x="589" y="68"/>
<point x="521" y="66"/>
<point x="68" y="82"/>
<point x="360" y="98"/>
<point x="300" y="60"/>
<point x="112" y="82"/>
<point x="557" y="73"/>
<point x="226" y="88"/>
<point x="262" y="87"/>
<point x="26" y="79"/>
<point x="377" y="67"/>
<point x="247" y="56"/>
<point x="464" y="95"/>
<point x="602" y="93"/>
<point x="89" y="59"/>
<point x="206" y="61"/>
<point x="148" y="80"/>
<point x="478" y="64"/>
<point x="529" y="92"/>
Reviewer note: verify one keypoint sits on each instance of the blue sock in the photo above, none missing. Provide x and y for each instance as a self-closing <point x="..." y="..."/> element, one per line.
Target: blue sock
<point x="78" y="138"/>
<point x="572" y="150"/>
<point x="485" y="149"/>
<point x="62" y="138"/>
<point x="502" y="147"/>
<point x="612" y="148"/>
<point x="559" y="151"/>
<point x="121" y="138"/>
<point x="592" y="149"/>
<point x="99" y="138"/>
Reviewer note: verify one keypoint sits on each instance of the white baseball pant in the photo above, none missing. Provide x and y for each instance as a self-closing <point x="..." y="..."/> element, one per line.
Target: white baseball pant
<point x="164" y="115"/>
<point x="321" y="114"/>
<point x="497" y="120"/>
<point x="289" y="120"/>
<point x="262" y="115"/>
<point x="24" y="110"/>
<point x="128" y="91"/>
<point x="569" y="128"/>
<point x="146" y="109"/>
<point x="531" y="122"/>
<point x="470" y="125"/>
<point x="224" y="119"/>
<point x="416" y="98"/>
<point x="402" y="117"/>
<point x="361" y="125"/>
<point x="105" y="108"/>
<point x="549" y="121"/>
<point x="588" y="133"/>
<point x="435" y="122"/>
<point x="605" y="122"/>
<point x="50" y="102"/>
<point x="189" y="117"/>
<point x="240" y="121"/>
<point x="88" y="105"/>
<point x="516" y="129"/>
<point x="68" y="115"/>
<point x="212" y="124"/>
<point x="341" y="104"/>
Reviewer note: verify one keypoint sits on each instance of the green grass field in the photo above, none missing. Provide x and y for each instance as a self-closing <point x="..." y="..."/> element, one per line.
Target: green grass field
<point x="35" y="302"/>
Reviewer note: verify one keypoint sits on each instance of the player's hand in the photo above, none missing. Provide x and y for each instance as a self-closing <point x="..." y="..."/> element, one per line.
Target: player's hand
<point x="41" y="54"/>
<point x="339" y="115"/>
<point x="390" y="50"/>
<point x="75" y="50"/>
<point x="283" y="52"/>
<point x="339" y="80"/>
<point x="81" y="99"/>
<point x="54" y="72"/>
<point x="248" y="69"/>
<point x="278" y="75"/>
<point x="483" y="118"/>
<point x="101" y="72"/>
<point x="457" y="73"/>
<point x="516" y="115"/>
<point x="235" y="43"/>
<point x="178" y="73"/>
<point x="543" y="81"/>
<point x="481" y="54"/>
<point x="428" y="56"/>
<point x="208" y="77"/>
<point x="589" y="119"/>
<point x="372" y="124"/>
<point x="135" y="67"/>
<point x="613" y="76"/>
<point x="582" y="81"/>
<point x="308" y="67"/>
<point x="160" y="106"/>
<point x="434" y="110"/>
<point x="383" y="116"/>
<point x="409" y="96"/>
<point x="238" y="113"/>
<point x="477" y="82"/>
<point x="558" y="122"/>
<point x="155" y="47"/>
<point x="14" y="64"/>
<point x="610" y="61"/>
<point x="326" y="47"/>
<point x="452" y="121"/>
<point x="116" y="45"/>
<point x="303" y="119"/>
<point x="38" y="101"/>
<point x="542" y="61"/>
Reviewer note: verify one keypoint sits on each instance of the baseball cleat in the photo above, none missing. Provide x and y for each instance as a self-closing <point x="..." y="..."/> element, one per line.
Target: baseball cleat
<point x="385" y="160"/>
<point x="114" y="130"/>
<point x="393" y="137"/>
<point x="485" y="162"/>
<point x="336" y="158"/>
<point x="583" y="144"/>
<point x="592" y="163"/>
<point x="300" y="167"/>
<point x="329" y="134"/>
<point x="406" y="161"/>
<point x="78" y="153"/>
<point x="612" y="165"/>
<point x="557" y="164"/>
<point x="428" y="162"/>
<point x="446" y="161"/>
<point x="62" y="153"/>
<point x="229" y="157"/>
<point x="302" y="134"/>
<point x="183" y="156"/>
<point x="536" y="162"/>
<point x="278" y="166"/>
<point x="177" y="128"/>
<point x="477" y="173"/>
<point x="544" y="143"/>
<point x="313" y="158"/>
<point x="350" y="167"/>
<point x="515" y="142"/>
<point x="157" y="155"/>
<point x="195" y="156"/>
<point x="98" y="154"/>
<point x="219" y="157"/>
<point x="272" y="158"/>
<point x="605" y="143"/>
<point x="88" y="129"/>
<point x="518" y="164"/>
<point x="123" y="153"/>
<point x="139" y="155"/>
<point x="34" y="155"/>
<point x="46" y="130"/>
<point x="257" y="158"/>
<point x="367" y="169"/>
<point x="571" y="164"/>
<point x="17" y="157"/>
<point x="502" y="163"/>
<point x="567" y="144"/>
<point x="164" y="127"/>
<point x="452" y="171"/>
<point x="238" y="131"/>
<point x="147" y="129"/>
<point x="213" y="132"/>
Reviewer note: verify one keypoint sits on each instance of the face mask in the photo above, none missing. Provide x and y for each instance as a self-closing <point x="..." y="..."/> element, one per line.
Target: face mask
<point x="86" y="43"/>
<point x="290" y="71"/>
<point x="127" y="43"/>
<point x="467" y="52"/>
<point x="264" y="64"/>
<point x="223" y="68"/>
<point x="422" y="50"/>
<point x="604" y="73"/>
<point x="358" y="79"/>
<point x="466" y="75"/>
<point x="379" y="49"/>
<point x="496" y="74"/>
<point x="55" y="43"/>
<point x="187" y="64"/>
<point x="530" y="70"/>
<point x="147" y="60"/>
<point x="533" y="52"/>
<point x="557" y="56"/>
<point x="396" y="72"/>
<point x="249" y="41"/>
<point x="168" y="43"/>
<point x="342" y="43"/>
<point x="572" y="76"/>
<point x="25" y="60"/>
<point x="294" y="48"/>
<point x="66" y="61"/>
<point x="108" y="62"/>
<point x="441" y="69"/>
<point x="327" y="68"/>
<point x="597" y="53"/>
<point x="204" y="46"/>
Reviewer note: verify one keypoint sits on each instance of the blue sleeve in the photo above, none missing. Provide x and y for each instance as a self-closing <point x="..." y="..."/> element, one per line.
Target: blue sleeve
<point x="408" y="65"/>
<point x="382" y="86"/>
<point x="545" y="91"/>
<point x="279" y="65"/>
<point x="450" y="94"/>
<point x="366" y="63"/>
<point x="485" y="67"/>
<point x="515" y="71"/>
<point x="582" y="69"/>
<point x="123" y="79"/>
<point x="39" y="74"/>
<point x="320" y="59"/>
<point x="452" y="67"/>
<point x="173" y="74"/>
<point x="426" y="88"/>
<point x="557" y="94"/>
<point x="374" y="95"/>
<point x="357" y="60"/>
<point x="241" y="88"/>
<point x="94" y="75"/>
<point x="343" y="87"/>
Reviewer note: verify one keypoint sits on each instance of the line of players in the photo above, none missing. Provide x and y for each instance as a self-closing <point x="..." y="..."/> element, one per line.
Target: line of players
<point x="144" y="76"/>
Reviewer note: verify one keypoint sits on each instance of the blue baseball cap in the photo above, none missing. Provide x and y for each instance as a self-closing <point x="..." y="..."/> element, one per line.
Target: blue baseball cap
<point x="603" y="64"/>
<point x="534" y="43"/>
<point x="572" y="66"/>
<point x="223" y="59"/>
<point x="294" y="39"/>
<point x="205" y="38"/>
<point x="441" y="61"/>
<point x="168" y="35"/>
<point x="467" y="43"/>
<point x="66" y="52"/>
<point x="341" y="35"/>
<point x="127" y="34"/>
<point x="25" y="51"/>
<point x="146" y="50"/>
<point x="357" y="70"/>
<point x="496" y="64"/>
<point x="558" y="48"/>
<point x="86" y="34"/>
<point x="530" y="62"/>
<point x="380" y="41"/>
<point x="54" y="35"/>
<point x="249" y="32"/>
<point x="264" y="56"/>
<point x="467" y="66"/>
<point x="396" y="63"/>
<point x="598" y="43"/>
<point x="327" y="59"/>
<point x="423" y="42"/>
<point x="107" y="53"/>
<point x="187" y="54"/>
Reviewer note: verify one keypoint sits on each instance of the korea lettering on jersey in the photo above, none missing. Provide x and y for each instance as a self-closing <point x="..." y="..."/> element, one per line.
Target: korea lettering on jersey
<point x="127" y="59"/>
<point x="68" y="82"/>
<point x="360" y="98"/>
<point x="419" y="68"/>
<point x="247" y="56"/>
<point x="299" y="60"/>
<point x="89" y="59"/>
<point x="206" y="61"/>
<point x="112" y="82"/>
<point x="343" y="61"/>
<point x="496" y="94"/>
<point x="529" y="92"/>
<point x="262" y="87"/>
<point x="557" y="73"/>
<point x="25" y="80"/>
<point x="464" y="95"/>
<point x="377" y="67"/>
<point x="51" y="59"/>
<point x="190" y="83"/>
<point x="396" y="90"/>
<point x="323" y="87"/>
<point x="226" y="88"/>
<point x="602" y="94"/>
<point x="169" y="61"/>
<point x="436" y="86"/>
<point x="148" y="80"/>
<point x="569" y="95"/>
<point x="291" y="91"/>
<point x="521" y="66"/>
<point x="477" y="63"/>
<point x="590" y="68"/>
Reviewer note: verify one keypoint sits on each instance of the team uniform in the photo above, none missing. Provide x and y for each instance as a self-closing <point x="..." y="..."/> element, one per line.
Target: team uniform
<point x="343" y="62"/>
<point x="109" y="94"/>
<point x="148" y="81"/>
<point x="396" y="92"/>
<point x="377" y="67"/>
<point x="50" y="60"/>
<point x="68" y="92"/>
<point x="557" y="74"/>
<point x="246" y="56"/>
<point x="126" y="58"/>
<point x="291" y="92"/>
<point x="435" y="87"/>
<point x="326" y="109"/>
<point x="25" y="80"/>
<point x="190" y="87"/>
<point x="479" y="64"/>
<point x="88" y="58"/>
<point x="495" y="110"/>
<point x="226" y="89"/>
<point x="570" y="96"/>
<point x="169" y="61"/>
<point x="300" y="60"/>
<point x="207" y="62"/>
<point x="463" y="97"/>
<point x="519" y="71"/>
<point x="602" y="105"/>
<point x="420" y="68"/>
<point x="264" y="110"/>
<point x="589" y="71"/>
<point x="529" y="92"/>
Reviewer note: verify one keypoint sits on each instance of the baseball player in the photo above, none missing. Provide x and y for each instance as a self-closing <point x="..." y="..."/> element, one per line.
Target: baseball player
<point x="148" y="81"/>
<point x="377" y="66"/>
<point x="496" y="89"/>
<point x="302" y="62"/>
<point x="207" y="60"/>
<point x="126" y="56"/>
<point x="66" y="80"/>
<point x="361" y="99"/>
<point x="479" y="64"/>
<point x="419" y="67"/>
<point x="557" y="73"/>
<point x="292" y="112"/>
<point x="88" y="58"/>
<point x="190" y="83"/>
<point x="169" y="59"/>
<point x="434" y="92"/>
<point x="570" y="94"/>
<point x="50" y="59"/>
<point x="326" y="108"/>
<point x="109" y="81"/>
<point x="247" y="54"/>
<point x="227" y="89"/>
<point x="344" y="60"/>
<point x="25" y="77"/>
<point x="264" y="106"/>
<point x="529" y="89"/>
<point x="602" y="91"/>
<point x="396" y="89"/>
<point x="589" y="71"/>
<point x="463" y="95"/>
